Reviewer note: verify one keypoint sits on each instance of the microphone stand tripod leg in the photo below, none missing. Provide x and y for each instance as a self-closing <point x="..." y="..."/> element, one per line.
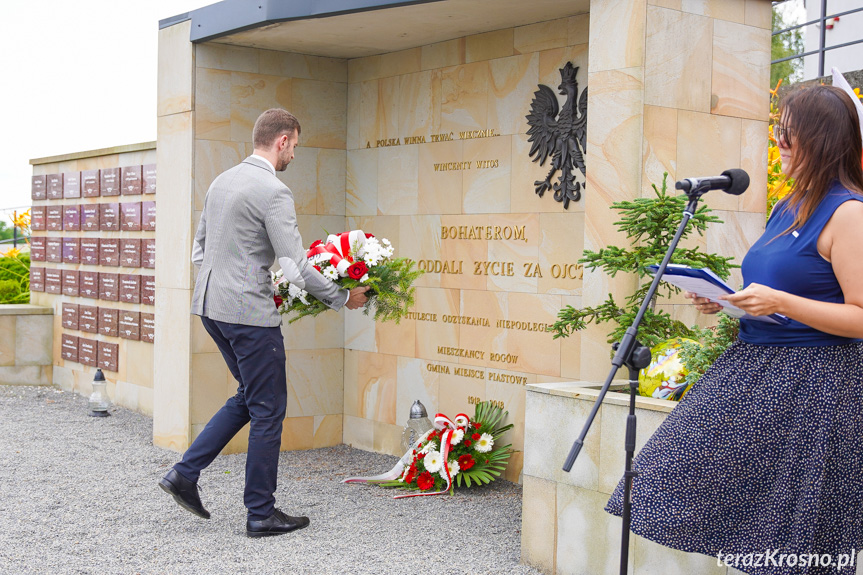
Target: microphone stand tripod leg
<point x="629" y="474"/>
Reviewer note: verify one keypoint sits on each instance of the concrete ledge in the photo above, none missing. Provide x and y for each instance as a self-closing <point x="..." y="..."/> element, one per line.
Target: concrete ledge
<point x="25" y="309"/>
<point x="565" y="528"/>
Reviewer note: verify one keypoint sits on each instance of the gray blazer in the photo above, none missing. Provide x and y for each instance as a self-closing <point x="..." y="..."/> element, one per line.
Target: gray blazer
<point x="248" y="221"/>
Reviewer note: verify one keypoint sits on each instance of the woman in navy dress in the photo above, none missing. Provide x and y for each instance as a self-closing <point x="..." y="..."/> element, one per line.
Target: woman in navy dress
<point x="764" y="455"/>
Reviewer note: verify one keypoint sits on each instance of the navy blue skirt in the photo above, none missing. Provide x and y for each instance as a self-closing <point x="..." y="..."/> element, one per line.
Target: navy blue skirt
<point x="764" y="453"/>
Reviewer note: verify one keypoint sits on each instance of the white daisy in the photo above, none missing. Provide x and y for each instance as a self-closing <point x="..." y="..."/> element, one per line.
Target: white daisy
<point x="331" y="273"/>
<point x="453" y="469"/>
<point x="484" y="443"/>
<point x="433" y="461"/>
<point x="457" y="436"/>
<point x="430" y="446"/>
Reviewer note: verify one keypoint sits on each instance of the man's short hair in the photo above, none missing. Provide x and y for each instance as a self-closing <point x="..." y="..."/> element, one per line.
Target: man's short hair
<point x="271" y="125"/>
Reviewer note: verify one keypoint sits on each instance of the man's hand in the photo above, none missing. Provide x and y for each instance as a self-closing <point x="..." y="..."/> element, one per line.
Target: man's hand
<point x="357" y="298"/>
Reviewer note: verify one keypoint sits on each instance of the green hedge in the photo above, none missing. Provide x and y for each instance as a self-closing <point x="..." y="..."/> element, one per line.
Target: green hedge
<point x="15" y="279"/>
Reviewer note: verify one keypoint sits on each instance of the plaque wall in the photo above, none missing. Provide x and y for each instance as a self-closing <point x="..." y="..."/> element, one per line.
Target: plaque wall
<point x="93" y="261"/>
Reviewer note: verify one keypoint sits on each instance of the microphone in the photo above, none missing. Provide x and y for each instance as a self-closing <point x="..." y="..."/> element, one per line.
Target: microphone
<point x="734" y="182"/>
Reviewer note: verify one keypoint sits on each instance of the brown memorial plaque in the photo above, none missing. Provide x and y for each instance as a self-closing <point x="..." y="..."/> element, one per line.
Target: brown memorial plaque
<point x="109" y="287"/>
<point x="148" y="177"/>
<point x="148" y="290"/>
<point x="131" y="176"/>
<point x="37" y="218"/>
<point x="148" y="216"/>
<point x="90" y="217"/>
<point x="130" y="325"/>
<point x="37" y="248"/>
<point x="108" y="321"/>
<point x="130" y="288"/>
<point x="88" y="318"/>
<point x="38" y="191"/>
<point x="148" y="327"/>
<point x="148" y="255"/>
<point x="72" y="218"/>
<point x="54" y="250"/>
<point x="90" y="183"/>
<point x="71" y="250"/>
<point x="88" y="284"/>
<point x="109" y="182"/>
<point x="53" y="281"/>
<point x="108" y="354"/>
<point x="37" y="278"/>
<point x="130" y="216"/>
<point x="130" y="252"/>
<point x="70" y="316"/>
<point x="88" y="351"/>
<point x="69" y="347"/>
<point x="109" y="251"/>
<point x="54" y="218"/>
<point x="72" y="185"/>
<point x="70" y="282"/>
<point x="90" y="251"/>
<point x="54" y="186"/>
<point x="109" y="217"/>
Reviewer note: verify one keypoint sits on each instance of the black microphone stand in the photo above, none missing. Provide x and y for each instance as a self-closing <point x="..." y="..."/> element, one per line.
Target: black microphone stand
<point x="635" y="356"/>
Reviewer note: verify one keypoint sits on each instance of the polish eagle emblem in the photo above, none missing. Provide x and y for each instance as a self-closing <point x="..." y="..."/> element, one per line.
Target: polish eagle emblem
<point x="562" y="136"/>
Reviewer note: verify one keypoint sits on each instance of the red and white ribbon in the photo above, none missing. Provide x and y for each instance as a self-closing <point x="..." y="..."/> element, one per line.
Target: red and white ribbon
<point x="338" y="249"/>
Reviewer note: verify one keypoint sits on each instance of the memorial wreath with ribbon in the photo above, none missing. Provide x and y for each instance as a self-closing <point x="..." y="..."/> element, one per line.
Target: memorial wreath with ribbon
<point x="352" y="259"/>
<point x="454" y="453"/>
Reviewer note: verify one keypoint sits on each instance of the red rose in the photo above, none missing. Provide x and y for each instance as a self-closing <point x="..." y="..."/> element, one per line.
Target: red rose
<point x="475" y="436"/>
<point x="477" y="425"/>
<point x="465" y="462"/>
<point x="315" y="244"/>
<point x="369" y="236"/>
<point x="357" y="270"/>
<point x="421" y="456"/>
<point x="278" y="300"/>
<point x="468" y="442"/>
<point x="425" y="481"/>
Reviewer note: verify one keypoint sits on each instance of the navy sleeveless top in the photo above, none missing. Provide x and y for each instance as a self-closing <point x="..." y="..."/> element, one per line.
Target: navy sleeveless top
<point x="791" y="263"/>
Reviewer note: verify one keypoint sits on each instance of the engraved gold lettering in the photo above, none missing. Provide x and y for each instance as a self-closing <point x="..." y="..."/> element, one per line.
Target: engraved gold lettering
<point x="460" y="352"/>
<point x="439" y="267"/>
<point x="388" y="142"/>
<point x="471" y="134"/>
<point x="503" y="357"/>
<point x="466" y="320"/>
<point x="567" y="271"/>
<point x="467" y="372"/>
<point x="415" y="140"/>
<point x="434" y="368"/>
<point x="531" y="270"/>
<point x="522" y="325"/>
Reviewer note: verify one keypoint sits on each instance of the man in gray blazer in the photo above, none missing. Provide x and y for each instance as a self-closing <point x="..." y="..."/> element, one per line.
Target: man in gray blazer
<point x="249" y="221"/>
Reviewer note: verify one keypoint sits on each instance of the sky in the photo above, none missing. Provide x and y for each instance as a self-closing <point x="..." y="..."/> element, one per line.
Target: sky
<point x="76" y="76"/>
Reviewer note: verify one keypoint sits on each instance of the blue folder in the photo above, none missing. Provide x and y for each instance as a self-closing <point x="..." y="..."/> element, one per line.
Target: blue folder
<point x="707" y="284"/>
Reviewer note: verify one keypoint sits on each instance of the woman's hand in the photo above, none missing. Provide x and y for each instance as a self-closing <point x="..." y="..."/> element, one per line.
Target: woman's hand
<point x="757" y="299"/>
<point x="703" y="304"/>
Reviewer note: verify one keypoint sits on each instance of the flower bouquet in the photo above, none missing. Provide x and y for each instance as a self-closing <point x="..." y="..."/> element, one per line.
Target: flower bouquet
<point x="353" y="259"/>
<point x="456" y="452"/>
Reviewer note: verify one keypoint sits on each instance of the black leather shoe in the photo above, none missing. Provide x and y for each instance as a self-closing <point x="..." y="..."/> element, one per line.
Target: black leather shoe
<point x="184" y="492"/>
<point x="276" y="524"/>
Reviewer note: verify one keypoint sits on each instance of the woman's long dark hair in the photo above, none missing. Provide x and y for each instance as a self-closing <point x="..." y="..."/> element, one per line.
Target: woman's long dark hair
<point x="824" y="131"/>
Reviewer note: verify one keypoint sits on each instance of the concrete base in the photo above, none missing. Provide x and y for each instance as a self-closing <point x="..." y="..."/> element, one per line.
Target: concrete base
<point x="26" y="344"/>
